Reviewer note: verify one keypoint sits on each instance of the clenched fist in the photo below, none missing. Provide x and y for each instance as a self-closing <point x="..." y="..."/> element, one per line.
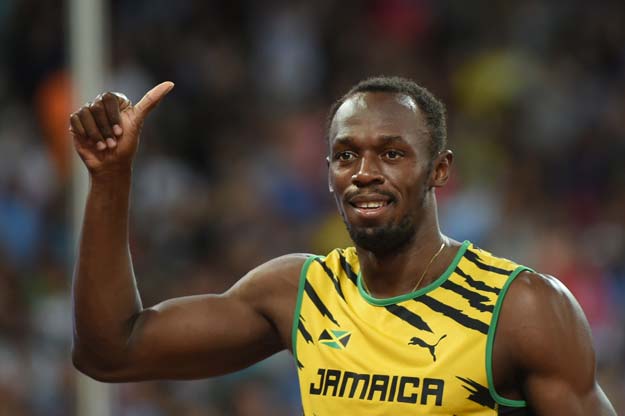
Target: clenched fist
<point x="106" y="131"/>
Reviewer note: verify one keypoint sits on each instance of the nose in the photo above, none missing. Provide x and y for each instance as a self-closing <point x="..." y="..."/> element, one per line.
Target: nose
<point x="368" y="172"/>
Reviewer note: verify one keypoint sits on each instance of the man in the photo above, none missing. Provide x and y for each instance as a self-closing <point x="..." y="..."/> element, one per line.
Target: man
<point x="406" y="322"/>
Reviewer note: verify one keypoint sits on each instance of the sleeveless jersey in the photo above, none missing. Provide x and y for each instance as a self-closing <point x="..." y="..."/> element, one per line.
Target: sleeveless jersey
<point x="424" y="353"/>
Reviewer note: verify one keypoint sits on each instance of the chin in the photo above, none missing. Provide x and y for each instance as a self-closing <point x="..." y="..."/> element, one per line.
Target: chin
<point x="383" y="240"/>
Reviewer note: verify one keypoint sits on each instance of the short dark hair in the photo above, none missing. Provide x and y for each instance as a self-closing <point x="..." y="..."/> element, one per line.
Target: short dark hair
<point x="432" y="109"/>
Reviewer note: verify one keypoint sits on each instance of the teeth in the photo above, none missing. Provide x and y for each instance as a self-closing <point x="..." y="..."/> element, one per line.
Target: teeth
<point x="372" y="204"/>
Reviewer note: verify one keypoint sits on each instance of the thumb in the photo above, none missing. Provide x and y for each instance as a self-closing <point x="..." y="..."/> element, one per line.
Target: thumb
<point x="151" y="99"/>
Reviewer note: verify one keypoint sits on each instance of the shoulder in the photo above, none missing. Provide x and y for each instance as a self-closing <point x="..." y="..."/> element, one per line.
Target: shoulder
<point x="275" y="276"/>
<point x="538" y="295"/>
<point x="270" y="290"/>
<point x="530" y="289"/>
<point x="543" y="328"/>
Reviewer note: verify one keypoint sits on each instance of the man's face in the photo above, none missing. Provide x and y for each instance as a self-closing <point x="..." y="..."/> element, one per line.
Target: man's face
<point x="379" y="168"/>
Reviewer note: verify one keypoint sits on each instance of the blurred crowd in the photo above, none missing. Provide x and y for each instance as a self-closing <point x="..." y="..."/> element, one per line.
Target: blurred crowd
<point x="231" y="169"/>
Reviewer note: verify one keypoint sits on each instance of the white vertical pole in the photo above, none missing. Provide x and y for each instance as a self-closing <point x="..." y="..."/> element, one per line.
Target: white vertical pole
<point x="88" y="21"/>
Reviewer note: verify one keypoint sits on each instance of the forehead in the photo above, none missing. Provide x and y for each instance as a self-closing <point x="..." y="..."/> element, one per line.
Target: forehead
<point x="378" y="114"/>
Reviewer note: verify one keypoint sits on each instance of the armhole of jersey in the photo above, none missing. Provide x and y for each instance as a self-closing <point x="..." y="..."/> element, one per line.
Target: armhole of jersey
<point x="298" y="305"/>
<point x="491" y="340"/>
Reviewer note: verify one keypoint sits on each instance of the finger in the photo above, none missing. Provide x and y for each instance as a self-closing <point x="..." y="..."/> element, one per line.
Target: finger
<point x="151" y="99"/>
<point x="81" y="145"/>
<point x="123" y="101"/>
<point x="102" y="121"/>
<point x="91" y="128"/>
<point x="111" y="104"/>
<point x="76" y="126"/>
<point x="111" y="143"/>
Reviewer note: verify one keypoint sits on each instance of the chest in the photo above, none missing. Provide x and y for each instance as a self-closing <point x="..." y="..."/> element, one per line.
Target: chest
<point x="426" y="352"/>
<point x="407" y="356"/>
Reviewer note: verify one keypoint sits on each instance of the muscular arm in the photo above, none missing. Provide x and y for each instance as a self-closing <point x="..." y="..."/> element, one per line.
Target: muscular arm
<point x="115" y="338"/>
<point x="198" y="336"/>
<point x="548" y="339"/>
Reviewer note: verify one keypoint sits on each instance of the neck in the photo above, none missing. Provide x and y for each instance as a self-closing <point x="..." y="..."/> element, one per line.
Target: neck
<point x="397" y="273"/>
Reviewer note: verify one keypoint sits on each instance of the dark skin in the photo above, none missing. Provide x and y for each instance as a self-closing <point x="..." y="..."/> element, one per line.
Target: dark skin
<point x="378" y="151"/>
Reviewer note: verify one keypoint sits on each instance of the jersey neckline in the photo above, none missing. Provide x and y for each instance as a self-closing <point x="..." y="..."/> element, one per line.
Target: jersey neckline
<point x="411" y="295"/>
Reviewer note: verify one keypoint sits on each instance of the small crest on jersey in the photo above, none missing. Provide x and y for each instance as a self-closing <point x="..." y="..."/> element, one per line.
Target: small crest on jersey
<point x="335" y="338"/>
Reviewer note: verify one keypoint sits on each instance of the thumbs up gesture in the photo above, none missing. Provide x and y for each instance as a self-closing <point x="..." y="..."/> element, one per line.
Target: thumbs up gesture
<point x="106" y="131"/>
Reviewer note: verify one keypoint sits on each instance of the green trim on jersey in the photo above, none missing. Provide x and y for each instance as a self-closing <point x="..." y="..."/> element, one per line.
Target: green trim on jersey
<point x="436" y="283"/>
<point x="491" y="340"/>
<point x="298" y="305"/>
<point x="425" y="354"/>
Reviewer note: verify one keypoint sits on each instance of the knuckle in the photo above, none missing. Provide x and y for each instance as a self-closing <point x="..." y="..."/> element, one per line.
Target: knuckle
<point x="96" y="106"/>
<point x="120" y="97"/>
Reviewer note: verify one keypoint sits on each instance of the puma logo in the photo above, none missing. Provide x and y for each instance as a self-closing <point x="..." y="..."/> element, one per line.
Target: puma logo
<point x="423" y="344"/>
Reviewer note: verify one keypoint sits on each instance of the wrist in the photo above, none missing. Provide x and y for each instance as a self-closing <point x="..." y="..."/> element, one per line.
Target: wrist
<point x="114" y="176"/>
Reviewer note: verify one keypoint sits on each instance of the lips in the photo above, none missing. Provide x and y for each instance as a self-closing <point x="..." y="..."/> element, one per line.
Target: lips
<point x="369" y="199"/>
<point x="370" y="205"/>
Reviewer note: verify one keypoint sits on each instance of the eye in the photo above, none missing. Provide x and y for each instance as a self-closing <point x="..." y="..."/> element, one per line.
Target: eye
<point x="344" y="156"/>
<point x="393" y="154"/>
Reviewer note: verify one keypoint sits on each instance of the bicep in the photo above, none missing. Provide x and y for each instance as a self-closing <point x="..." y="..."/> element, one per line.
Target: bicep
<point x="555" y="353"/>
<point x="553" y="395"/>
<point x="208" y="335"/>
<point x="198" y="336"/>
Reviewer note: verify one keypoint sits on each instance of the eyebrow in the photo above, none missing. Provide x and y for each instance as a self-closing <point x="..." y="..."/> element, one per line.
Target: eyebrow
<point x="346" y="140"/>
<point x="343" y="140"/>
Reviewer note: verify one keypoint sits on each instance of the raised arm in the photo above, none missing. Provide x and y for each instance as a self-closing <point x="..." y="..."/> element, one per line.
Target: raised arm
<point x="548" y="340"/>
<point x="115" y="338"/>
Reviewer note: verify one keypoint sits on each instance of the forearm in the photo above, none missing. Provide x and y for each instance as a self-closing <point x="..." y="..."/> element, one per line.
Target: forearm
<point x="106" y="299"/>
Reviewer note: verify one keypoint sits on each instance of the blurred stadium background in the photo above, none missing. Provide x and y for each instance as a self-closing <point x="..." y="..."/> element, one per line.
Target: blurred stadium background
<point x="231" y="169"/>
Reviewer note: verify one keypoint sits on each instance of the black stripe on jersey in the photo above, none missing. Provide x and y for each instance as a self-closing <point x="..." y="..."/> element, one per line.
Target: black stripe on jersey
<point x="475" y="259"/>
<point x="475" y="299"/>
<point x="408" y="316"/>
<point x="476" y="283"/>
<point x="318" y="303"/>
<point x="301" y="328"/>
<point x="479" y="394"/>
<point x="348" y="269"/>
<point x="453" y="313"/>
<point x="335" y="281"/>
<point x="300" y="365"/>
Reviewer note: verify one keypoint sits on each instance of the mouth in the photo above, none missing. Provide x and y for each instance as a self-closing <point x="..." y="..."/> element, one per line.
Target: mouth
<point x="370" y="206"/>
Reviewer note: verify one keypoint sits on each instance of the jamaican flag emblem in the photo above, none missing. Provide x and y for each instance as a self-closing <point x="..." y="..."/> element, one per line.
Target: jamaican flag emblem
<point x="335" y="338"/>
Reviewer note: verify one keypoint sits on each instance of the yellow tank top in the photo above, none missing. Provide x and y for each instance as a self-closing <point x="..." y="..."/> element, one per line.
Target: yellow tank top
<point x="424" y="353"/>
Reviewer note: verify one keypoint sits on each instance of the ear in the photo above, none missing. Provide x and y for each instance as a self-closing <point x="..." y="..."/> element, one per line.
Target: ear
<point x="330" y="187"/>
<point x="441" y="169"/>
